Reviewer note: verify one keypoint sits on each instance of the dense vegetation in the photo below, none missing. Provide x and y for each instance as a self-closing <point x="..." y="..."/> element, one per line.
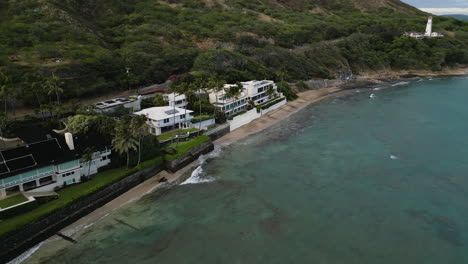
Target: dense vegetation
<point x="89" y="44"/>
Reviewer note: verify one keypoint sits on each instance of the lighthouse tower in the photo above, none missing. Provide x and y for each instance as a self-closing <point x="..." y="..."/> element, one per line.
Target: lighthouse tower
<point x="429" y="27"/>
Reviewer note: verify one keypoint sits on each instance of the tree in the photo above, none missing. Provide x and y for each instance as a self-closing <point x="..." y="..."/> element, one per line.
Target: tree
<point x="123" y="141"/>
<point x="199" y="86"/>
<point x="139" y="129"/>
<point x="5" y="84"/>
<point x="159" y="100"/>
<point x="216" y="85"/>
<point x="52" y="86"/>
<point x="88" y="157"/>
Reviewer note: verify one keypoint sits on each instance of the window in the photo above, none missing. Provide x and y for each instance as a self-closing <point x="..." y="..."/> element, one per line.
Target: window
<point x="104" y="158"/>
<point x="182" y="116"/>
<point x="166" y="120"/>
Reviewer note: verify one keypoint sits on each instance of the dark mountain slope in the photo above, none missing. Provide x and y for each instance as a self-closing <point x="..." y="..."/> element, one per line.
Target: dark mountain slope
<point x="90" y="43"/>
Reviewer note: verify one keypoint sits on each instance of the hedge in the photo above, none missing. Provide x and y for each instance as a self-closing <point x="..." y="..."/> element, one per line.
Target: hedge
<point x="270" y="104"/>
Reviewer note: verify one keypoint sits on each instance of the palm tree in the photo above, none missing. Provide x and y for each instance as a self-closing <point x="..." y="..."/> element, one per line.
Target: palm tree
<point x="88" y="157"/>
<point x="216" y="85"/>
<point x="199" y="86"/>
<point x="123" y="142"/>
<point x="5" y="83"/>
<point x="52" y="86"/>
<point x="139" y="129"/>
<point x="270" y="91"/>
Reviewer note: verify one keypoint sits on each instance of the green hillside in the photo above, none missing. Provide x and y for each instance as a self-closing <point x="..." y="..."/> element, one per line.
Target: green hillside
<point x="89" y="43"/>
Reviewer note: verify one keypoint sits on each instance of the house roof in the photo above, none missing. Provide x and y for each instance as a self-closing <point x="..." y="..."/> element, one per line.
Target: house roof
<point x="34" y="156"/>
<point x="162" y="112"/>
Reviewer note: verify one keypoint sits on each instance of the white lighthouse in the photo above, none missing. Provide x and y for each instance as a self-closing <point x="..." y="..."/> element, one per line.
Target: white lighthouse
<point x="429" y="27"/>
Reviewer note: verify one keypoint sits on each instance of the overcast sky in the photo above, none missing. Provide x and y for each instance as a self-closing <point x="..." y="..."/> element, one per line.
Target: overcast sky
<point x="440" y="7"/>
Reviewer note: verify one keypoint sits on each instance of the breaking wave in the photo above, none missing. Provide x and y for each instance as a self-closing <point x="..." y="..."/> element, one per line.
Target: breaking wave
<point x="400" y="84"/>
<point x="197" y="176"/>
<point x="26" y="254"/>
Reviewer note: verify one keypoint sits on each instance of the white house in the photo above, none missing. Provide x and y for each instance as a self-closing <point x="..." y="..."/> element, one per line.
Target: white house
<point x="229" y="105"/>
<point x="179" y="100"/>
<point x="259" y="92"/>
<point x="163" y="118"/>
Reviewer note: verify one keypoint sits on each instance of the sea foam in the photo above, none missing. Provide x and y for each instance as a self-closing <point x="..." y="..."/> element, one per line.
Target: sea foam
<point x="197" y="176"/>
<point x="400" y="83"/>
<point x="26" y="254"/>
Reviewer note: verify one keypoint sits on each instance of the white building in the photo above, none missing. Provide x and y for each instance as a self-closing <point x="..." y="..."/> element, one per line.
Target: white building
<point x="164" y="118"/>
<point x="179" y="100"/>
<point x="45" y="165"/>
<point x="229" y="105"/>
<point x="427" y="34"/>
<point x="259" y="92"/>
<point x="108" y="106"/>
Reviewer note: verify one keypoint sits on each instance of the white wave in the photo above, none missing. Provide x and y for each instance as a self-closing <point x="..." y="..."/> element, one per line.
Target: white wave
<point x="400" y="83"/>
<point x="26" y="254"/>
<point x="196" y="177"/>
<point x="372" y="96"/>
<point x="393" y="157"/>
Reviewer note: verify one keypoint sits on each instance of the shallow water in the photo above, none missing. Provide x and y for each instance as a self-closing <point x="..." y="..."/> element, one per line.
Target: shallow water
<point x="351" y="180"/>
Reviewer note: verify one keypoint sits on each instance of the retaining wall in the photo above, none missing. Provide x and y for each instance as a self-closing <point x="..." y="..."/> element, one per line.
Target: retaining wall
<point x="251" y="115"/>
<point x="29" y="235"/>
<point x="189" y="157"/>
<point x="204" y="124"/>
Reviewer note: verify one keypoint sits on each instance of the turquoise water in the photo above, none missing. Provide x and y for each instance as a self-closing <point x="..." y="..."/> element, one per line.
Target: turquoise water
<point x="350" y="180"/>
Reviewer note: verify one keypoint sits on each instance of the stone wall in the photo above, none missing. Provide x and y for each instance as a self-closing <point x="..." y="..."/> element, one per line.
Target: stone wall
<point x="189" y="157"/>
<point x="218" y="132"/>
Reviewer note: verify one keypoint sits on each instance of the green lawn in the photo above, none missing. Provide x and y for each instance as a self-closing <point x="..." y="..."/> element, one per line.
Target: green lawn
<point x="10" y="201"/>
<point x="172" y="134"/>
<point x="184" y="146"/>
<point x="66" y="196"/>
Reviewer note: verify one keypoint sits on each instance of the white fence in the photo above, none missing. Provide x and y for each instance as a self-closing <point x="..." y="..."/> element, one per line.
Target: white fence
<point x="251" y="115"/>
<point x="204" y="124"/>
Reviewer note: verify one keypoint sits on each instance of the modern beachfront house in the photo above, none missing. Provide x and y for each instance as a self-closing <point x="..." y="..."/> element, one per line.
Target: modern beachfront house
<point x="179" y="100"/>
<point x="133" y="103"/>
<point x="44" y="165"/>
<point x="229" y="105"/>
<point x="261" y="91"/>
<point x="258" y="92"/>
<point x="164" y="118"/>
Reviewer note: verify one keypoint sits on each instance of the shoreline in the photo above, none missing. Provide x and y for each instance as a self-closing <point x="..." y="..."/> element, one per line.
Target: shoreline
<point x="304" y="100"/>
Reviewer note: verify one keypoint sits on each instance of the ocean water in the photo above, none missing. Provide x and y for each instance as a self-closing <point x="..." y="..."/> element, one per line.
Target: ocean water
<point x="353" y="179"/>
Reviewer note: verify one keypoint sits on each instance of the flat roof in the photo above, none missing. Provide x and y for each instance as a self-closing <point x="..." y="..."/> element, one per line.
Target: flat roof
<point x="162" y="112"/>
<point x="113" y="102"/>
<point x="34" y="156"/>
